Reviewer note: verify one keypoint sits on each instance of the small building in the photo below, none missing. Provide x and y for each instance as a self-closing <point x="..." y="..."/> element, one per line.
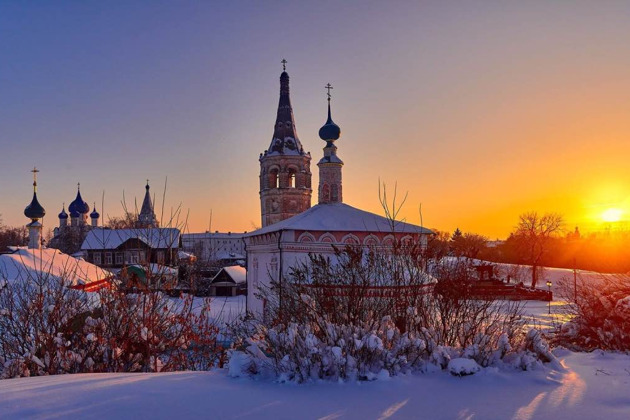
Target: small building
<point x="229" y="281"/>
<point x="215" y="247"/>
<point x="116" y="248"/>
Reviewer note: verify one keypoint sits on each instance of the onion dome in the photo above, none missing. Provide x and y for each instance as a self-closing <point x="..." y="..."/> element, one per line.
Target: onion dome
<point x="78" y="205"/>
<point x="94" y="214"/>
<point x="63" y="214"/>
<point x="34" y="210"/>
<point x="330" y="131"/>
<point x="74" y="214"/>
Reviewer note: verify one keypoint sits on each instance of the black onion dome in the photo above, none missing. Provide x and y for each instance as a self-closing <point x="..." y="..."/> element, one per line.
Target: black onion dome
<point x="94" y="214"/>
<point x="78" y="205"/>
<point x="63" y="214"/>
<point x="74" y="214"/>
<point x="34" y="210"/>
<point x="330" y="130"/>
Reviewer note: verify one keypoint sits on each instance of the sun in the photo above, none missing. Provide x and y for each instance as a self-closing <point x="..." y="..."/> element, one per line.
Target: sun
<point x="612" y="215"/>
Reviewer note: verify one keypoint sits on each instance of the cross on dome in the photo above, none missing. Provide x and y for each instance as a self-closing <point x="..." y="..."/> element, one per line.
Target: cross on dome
<point x="35" y="170"/>
<point x="284" y="64"/>
<point x="328" y="87"/>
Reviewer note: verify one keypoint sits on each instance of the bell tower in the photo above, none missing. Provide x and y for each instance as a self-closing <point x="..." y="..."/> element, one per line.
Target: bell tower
<point x="285" y="173"/>
<point x="330" y="165"/>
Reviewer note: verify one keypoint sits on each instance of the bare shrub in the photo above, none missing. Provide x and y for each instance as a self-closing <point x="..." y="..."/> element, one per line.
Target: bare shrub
<point x="368" y="313"/>
<point x="599" y="311"/>
<point x="48" y="328"/>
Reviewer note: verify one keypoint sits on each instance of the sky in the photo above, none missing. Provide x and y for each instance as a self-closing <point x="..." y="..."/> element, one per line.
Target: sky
<point x="479" y="111"/>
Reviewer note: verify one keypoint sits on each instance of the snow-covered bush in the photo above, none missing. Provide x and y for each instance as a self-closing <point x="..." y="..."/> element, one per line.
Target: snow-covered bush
<point x="373" y="315"/>
<point x="599" y="312"/>
<point x="48" y="328"/>
<point x="150" y="332"/>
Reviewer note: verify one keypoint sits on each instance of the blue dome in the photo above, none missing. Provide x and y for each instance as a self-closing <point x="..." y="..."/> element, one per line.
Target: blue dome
<point x="330" y="130"/>
<point x="34" y="210"/>
<point x="94" y="214"/>
<point x="63" y="214"/>
<point x="78" y="205"/>
<point x="74" y="214"/>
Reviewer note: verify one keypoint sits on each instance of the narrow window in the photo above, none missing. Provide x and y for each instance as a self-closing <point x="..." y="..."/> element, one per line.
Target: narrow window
<point x="291" y="178"/>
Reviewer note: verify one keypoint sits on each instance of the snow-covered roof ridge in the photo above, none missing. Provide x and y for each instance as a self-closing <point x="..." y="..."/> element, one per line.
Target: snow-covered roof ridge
<point x="31" y="264"/>
<point x="340" y="217"/>
<point x="157" y="238"/>
<point x="236" y="273"/>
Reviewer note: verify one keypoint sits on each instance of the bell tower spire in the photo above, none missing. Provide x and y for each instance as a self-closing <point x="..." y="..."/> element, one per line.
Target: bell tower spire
<point x="330" y="165"/>
<point x="285" y="174"/>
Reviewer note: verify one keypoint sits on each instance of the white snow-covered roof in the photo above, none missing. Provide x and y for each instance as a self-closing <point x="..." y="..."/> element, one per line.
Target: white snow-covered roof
<point x="156" y="238"/>
<point x="213" y="235"/>
<point x="236" y="273"/>
<point x="339" y="217"/>
<point x="27" y="264"/>
<point x="226" y="255"/>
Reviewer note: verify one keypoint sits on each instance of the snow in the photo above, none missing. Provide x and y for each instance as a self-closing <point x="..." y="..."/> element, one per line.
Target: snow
<point x="236" y="273"/>
<point x="157" y="238"/>
<point x="25" y="263"/>
<point x="581" y="386"/>
<point x="589" y="386"/>
<point x="463" y="367"/>
<point x="339" y="217"/>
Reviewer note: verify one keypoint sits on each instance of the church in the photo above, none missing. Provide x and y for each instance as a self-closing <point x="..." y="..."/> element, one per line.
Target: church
<point x="291" y="228"/>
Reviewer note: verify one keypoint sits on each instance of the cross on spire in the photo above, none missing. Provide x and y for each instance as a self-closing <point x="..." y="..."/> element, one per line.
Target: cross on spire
<point x="78" y="185"/>
<point x="284" y="64"/>
<point x="328" y="87"/>
<point x="35" y="170"/>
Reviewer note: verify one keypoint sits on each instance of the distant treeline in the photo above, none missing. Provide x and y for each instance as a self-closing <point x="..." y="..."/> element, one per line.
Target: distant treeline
<point x="607" y="251"/>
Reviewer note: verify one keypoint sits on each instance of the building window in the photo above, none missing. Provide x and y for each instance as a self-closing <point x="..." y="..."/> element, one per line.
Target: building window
<point x="119" y="258"/>
<point x="96" y="257"/>
<point x="291" y="179"/>
<point x="142" y="257"/>
<point x="273" y="178"/>
<point x="160" y="257"/>
<point x="133" y="257"/>
<point x="108" y="258"/>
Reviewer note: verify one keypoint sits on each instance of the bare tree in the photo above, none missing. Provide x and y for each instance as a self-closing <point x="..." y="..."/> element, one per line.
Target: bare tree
<point x="533" y="236"/>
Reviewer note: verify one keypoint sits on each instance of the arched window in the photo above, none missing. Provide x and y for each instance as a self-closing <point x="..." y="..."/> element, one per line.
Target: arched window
<point x="291" y="179"/>
<point x="370" y="240"/>
<point x="327" y="238"/>
<point x="350" y="239"/>
<point x="306" y="237"/>
<point x="273" y="178"/>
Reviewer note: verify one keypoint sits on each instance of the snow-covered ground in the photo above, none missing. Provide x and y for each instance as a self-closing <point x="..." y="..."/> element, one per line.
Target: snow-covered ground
<point x="590" y="386"/>
<point x="593" y="386"/>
